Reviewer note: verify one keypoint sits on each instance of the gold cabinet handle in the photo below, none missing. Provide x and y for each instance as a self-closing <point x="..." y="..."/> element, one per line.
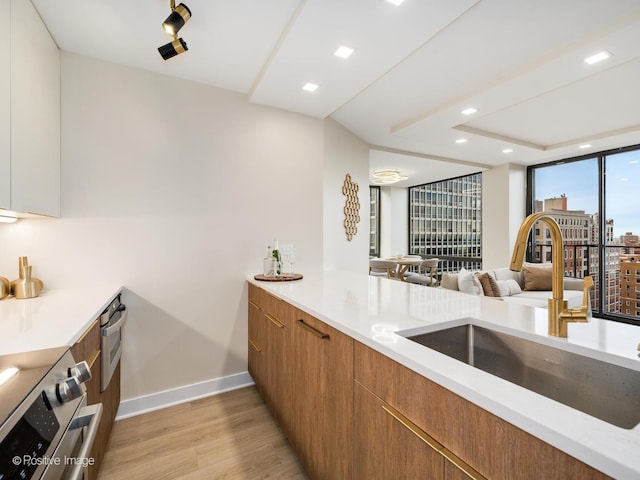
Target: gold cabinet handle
<point x="309" y="328"/>
<point x="255" y="345"/>
<point x="274" y="320"/>
<point x="253" y="304"/>
<point x="413" y="428"/>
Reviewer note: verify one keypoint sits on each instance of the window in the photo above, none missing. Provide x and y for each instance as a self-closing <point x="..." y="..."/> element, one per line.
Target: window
<point x="445" y="221"/>
<point x="374" y="222"/>
<point x="589" y="197"/>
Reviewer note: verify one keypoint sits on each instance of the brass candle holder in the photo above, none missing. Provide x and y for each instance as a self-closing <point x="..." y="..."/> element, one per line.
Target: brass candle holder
<point x="26" y="286"/>
<point x="5" y="288"/>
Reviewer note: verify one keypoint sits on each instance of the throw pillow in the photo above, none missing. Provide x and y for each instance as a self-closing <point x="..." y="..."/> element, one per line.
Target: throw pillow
<point x="469" y="283"/>
<point x="537" y="278"/>
<point x="504" y="288"/>
<point x="514" y="287"/>
<point x="489" y="285"/>
<point x="450" y="281"/>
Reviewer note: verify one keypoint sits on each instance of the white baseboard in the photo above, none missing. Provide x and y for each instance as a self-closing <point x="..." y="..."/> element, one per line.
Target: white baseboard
<point x="187" y="393"/>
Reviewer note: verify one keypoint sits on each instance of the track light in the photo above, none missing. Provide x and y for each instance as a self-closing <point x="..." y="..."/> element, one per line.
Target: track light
<point x="172" y="49"/>
<point x="172" y="25"/>
<point x="179" y="16"/>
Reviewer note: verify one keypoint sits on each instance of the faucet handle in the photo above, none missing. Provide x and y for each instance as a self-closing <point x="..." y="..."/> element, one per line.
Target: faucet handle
<point x="583" y="313"/>
<point x="588" y="283"/>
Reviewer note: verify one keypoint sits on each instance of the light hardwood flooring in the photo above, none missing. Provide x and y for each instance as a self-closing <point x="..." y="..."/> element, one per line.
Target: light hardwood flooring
<point x="227" y="436"/>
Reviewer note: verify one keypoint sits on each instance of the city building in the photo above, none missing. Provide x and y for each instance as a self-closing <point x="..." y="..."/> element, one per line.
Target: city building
<point x="446" y="222"/>
<point x="580" y="233"/>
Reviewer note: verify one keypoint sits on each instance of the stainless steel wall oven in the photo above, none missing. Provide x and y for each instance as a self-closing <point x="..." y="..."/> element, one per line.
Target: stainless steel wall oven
<point x="46" y="429"/>
<point x="111" y="322"/>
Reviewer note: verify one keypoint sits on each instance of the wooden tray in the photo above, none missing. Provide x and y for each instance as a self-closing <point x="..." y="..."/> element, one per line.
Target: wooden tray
<point x="279" y="278"/>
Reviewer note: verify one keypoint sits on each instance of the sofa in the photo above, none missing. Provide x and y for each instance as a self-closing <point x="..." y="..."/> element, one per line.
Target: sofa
<point x="531" y="286"/>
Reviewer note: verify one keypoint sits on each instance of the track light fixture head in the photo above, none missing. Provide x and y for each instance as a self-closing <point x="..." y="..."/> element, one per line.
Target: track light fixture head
<point x="172" y="25"/>
<point x="176" y="20"/>
<point x="172" y="49"/>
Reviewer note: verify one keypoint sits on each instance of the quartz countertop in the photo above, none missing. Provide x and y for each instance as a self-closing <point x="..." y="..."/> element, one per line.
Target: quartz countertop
<point x="371" y="309"/>
<point x="56" y="318"/>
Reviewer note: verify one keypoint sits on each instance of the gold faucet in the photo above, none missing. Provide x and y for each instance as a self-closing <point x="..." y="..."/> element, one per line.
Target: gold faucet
<point x="559" y="314"/>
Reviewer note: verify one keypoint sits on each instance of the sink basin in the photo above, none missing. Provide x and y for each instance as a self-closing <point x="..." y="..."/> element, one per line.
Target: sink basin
<point x="601" y="389"/>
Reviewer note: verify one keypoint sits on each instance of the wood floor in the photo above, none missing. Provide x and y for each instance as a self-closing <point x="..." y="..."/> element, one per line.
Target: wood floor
<point x="228" y="436"/>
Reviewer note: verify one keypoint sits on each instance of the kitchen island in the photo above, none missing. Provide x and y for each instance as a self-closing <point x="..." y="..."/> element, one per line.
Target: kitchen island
<point x="370" y="310"/>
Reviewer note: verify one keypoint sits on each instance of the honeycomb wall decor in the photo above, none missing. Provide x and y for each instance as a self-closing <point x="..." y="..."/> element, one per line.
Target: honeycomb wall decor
<point x="351" y="207"/>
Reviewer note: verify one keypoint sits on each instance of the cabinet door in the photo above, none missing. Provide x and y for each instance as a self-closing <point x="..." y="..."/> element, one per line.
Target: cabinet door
<point x="385" y="446"/>
<point x="474" y="440"/>
<point x="5" y="104"/>
<point x="277" y="360"/>
<point x="322" y="392"/>
<point x="35" y="114"/>
<point x="257" y="341"/>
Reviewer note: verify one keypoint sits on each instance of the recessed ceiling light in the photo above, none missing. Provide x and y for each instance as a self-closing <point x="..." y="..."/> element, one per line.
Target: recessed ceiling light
<point x="461" y="140"/>
<point x="586" y="145"/>
<point x="469" y="111"/>
<point x="310" y="87"/>
<point x="598" y="57"/>
<point x="507" y="150"/>
<point x="395" y="2"/>
<point x="631" y="162"/>
<point x="343" y="51"/>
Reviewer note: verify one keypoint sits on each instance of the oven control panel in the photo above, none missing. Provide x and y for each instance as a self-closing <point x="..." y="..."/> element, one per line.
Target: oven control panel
<point x="22" y="451"/>
<point x="30" y="436"/>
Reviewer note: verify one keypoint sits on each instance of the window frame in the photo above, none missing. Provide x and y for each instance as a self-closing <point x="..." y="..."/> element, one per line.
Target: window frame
<point x="602" y="223"/>
<point x="444" y="216"/>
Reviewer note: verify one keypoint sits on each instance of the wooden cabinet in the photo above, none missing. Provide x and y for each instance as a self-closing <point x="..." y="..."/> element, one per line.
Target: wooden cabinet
<point x="304" y="371"/>
<point x="351" y="412"/>
<point x="470" y="436"/>
<point x="389" y="445"/>
<point x="30" y="113"/>
<point x="269" y="346"/>
<point x="385" y="448"/>
<point x="87" y="348"/>
<point x="322" y="392"/>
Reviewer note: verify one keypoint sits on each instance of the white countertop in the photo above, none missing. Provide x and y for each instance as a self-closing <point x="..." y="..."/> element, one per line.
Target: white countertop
<point x="370" y="309"/>
<point x="56" y="318"/>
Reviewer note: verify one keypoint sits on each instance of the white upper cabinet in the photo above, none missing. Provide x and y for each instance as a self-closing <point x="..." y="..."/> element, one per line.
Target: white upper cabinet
<point x="35" y="113"/>
<point x="5" y="104"/>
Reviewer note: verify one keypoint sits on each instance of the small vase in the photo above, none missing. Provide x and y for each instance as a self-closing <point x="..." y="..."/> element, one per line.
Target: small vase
<point x="25" y="286"/>
<point x="5" y="288"/>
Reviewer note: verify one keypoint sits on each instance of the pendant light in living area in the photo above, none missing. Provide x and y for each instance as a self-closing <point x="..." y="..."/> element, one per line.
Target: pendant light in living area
<point x="178" y="17"/>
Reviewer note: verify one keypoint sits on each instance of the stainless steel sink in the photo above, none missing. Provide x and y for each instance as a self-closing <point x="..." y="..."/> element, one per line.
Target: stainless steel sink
<point x="601" y="389"/>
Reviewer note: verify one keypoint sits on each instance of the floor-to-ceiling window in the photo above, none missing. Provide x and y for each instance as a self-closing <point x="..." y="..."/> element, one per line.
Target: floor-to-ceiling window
<point x="593" y="200"/>
<point x="445" y="221"/>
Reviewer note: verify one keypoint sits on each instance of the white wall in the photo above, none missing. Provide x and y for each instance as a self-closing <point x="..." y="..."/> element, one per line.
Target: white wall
<point x="345" y="153"/>
<point x="394" y="218"/>
<point x="174" y="189"/>
<point x="503" y="209"/>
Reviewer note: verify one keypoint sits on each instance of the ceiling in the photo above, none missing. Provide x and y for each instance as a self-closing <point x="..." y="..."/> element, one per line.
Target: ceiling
<point x="416" y="66"/>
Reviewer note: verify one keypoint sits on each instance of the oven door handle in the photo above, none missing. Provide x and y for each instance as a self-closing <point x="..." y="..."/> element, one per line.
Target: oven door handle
<point x="89" y="417"/>
<point x="116" y="326"/>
